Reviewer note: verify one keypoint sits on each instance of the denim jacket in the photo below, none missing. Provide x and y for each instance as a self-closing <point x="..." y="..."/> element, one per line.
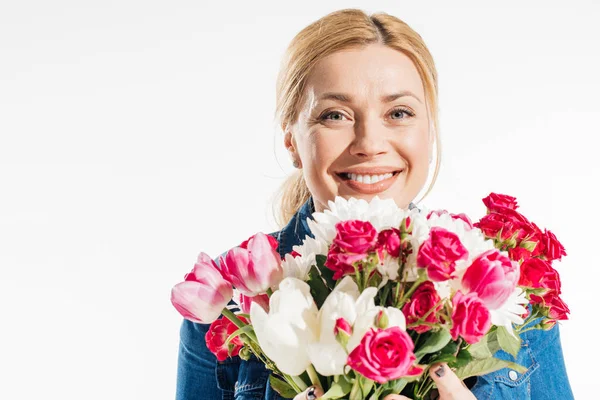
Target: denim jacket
<point x="201" y="376"/>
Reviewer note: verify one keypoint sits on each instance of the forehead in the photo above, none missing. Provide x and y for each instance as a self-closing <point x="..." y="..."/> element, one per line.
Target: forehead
<point x="365" y="72"/>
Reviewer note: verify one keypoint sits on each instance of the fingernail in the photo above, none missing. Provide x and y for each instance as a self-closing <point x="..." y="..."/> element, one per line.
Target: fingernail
<point x="310" y="395"/>
<point x="440" y="371"/>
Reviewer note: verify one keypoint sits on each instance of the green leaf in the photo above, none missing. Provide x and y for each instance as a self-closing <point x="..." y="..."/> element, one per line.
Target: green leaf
<point x="366" y="385"/>
<point x="492" y="342"/>
<point x="282" y="387"/>
<point x="435" y="342"/>
<point x="318" y="290"/>
<point x="244" y="329"/>
<point x="326" y="273"/>
<point x="480" y="350"/>
<point x="481" y="367"/>
<point x="508" y="342"/>
<point x="396" y="387"/>
<point x="338" y="390"/>
<point x="462" y="358"/>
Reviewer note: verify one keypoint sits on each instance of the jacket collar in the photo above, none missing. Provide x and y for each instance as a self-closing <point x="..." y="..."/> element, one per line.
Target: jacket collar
<point x="296" y="230"/>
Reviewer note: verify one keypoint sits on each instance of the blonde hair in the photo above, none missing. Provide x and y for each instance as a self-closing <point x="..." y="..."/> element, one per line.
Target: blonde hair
<point x="337" y="31"/>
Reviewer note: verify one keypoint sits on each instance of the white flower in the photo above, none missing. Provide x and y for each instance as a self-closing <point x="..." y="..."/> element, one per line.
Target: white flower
<point x="388" y="268"/>
<point x="359" y="310"/>
<point x="299" y="266"/>
<point x="381" y="213"/>
<point x="510" y="312"/>
<point x="291" y="324"/>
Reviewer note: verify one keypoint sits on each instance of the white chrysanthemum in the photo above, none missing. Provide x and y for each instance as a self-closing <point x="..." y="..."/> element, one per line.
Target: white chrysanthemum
<point x="510" y="312"/>
<point x="381" y="213"/>
<point x="311" y="247"/>
<point x="297" y="267"/>
<point x="388" y="268"/>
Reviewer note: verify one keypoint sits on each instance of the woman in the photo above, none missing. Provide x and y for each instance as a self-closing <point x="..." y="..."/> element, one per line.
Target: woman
<point x="357" y="101"/>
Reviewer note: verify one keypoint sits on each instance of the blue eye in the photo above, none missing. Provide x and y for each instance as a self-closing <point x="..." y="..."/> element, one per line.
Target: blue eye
<point x="398" y="110"/>
<point x="331" y="113"/>
<point x="404" y="111"/>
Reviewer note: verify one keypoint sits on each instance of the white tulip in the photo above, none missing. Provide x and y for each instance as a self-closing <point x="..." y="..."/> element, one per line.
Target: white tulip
<point x="290" y="326"/>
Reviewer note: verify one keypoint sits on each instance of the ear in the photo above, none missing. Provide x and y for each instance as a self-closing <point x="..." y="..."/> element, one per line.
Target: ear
<point x="290" y="143"/>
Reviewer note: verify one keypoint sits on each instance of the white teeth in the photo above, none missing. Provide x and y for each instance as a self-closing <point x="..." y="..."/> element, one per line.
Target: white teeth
<point x="370" y="179"/>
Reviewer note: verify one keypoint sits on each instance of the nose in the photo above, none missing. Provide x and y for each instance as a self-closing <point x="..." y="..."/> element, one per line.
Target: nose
<point x="370" y="139"/>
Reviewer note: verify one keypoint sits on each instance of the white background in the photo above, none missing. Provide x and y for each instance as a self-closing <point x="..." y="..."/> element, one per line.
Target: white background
<point x="135" y="134"/>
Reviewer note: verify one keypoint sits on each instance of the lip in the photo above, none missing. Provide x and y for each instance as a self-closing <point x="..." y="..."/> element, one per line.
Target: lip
<point x="370" y="170"/>
<point x="370" y="188"/>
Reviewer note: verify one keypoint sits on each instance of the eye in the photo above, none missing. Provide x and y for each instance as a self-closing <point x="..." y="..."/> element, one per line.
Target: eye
<point x="335" y="113"/>
<point x="402" y="111"/>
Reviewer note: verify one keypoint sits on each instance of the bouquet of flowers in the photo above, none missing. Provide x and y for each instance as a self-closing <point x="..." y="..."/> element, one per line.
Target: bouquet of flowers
<point x="378" y="294"/>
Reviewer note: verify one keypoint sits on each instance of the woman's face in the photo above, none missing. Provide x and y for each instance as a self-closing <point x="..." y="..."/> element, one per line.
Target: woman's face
<point x="363" y="129"/>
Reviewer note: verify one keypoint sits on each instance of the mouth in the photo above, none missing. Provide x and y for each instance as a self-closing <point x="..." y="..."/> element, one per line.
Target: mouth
<point x="370" y="181"/>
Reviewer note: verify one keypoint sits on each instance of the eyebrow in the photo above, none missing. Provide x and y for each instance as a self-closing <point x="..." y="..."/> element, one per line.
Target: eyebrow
<point x="344" y="98"/>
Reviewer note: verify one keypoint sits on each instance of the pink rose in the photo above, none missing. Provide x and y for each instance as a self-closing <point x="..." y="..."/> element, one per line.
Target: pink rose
<point x="384" y="355"/>
<point x="439" y="254"/>
<point x="255" y="268"/>
<point x="493" y="276"/>
<point x="389" y="240"/>
<point x="218" y="333"/>
<point x="355" y="236"/>
<point x="537" y="273"/>
<point x="342" y="263"/>
<point x="204" y="292"/>
<point x="423" y="301"/>
<point x="494" y="200"/>
<point x="470" y="317"/>
<point x="553" y="249"/>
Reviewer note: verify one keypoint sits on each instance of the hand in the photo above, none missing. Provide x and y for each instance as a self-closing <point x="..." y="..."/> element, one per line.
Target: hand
<point x="450" y="387"/>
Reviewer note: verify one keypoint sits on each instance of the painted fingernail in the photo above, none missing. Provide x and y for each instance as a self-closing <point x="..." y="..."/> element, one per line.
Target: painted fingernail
<point x="440" y="371"/>
<point x="310" y="394"/>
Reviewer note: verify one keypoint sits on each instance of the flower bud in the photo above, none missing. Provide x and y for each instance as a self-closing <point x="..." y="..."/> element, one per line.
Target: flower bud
<point x="381" y="320"/>
<point x="342" y="331"/>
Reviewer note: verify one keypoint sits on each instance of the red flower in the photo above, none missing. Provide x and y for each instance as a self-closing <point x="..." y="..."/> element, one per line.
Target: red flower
<point x="389" y="240"/>
<point x="423" y="301"/>
<point x="495" y="200"/>
<point x="384" y="355"/>
<point x="439" y="254"/>
<point x="216" y="336"/>
<point x="355" y="236"/>
<point x="342" y="263"/>
<point x="553" y="249"/>
<point x="470" y="318"/>
<point x="537" y="273"/>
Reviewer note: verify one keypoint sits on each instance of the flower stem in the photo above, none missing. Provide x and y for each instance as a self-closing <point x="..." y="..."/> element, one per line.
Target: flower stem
<point x="314" y="377"/>
<point x="300" y="385"/>
<point x="238" y="322"/>
<point x="410" y="291"/>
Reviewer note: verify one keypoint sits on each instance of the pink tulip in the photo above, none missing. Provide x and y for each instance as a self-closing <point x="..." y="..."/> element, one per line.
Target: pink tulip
<point x="203" y="294"/>
<point x="254" y="269"/>
<point x="493" y="276"/>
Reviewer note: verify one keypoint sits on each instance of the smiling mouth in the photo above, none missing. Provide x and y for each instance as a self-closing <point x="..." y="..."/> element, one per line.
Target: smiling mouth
<point x="368" y="179"/>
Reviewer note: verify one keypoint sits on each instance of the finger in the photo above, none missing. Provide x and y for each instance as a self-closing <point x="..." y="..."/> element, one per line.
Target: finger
<point x="395" y="397"/>
<point x="449" y="385"/>
<point x="312" y="393"/>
